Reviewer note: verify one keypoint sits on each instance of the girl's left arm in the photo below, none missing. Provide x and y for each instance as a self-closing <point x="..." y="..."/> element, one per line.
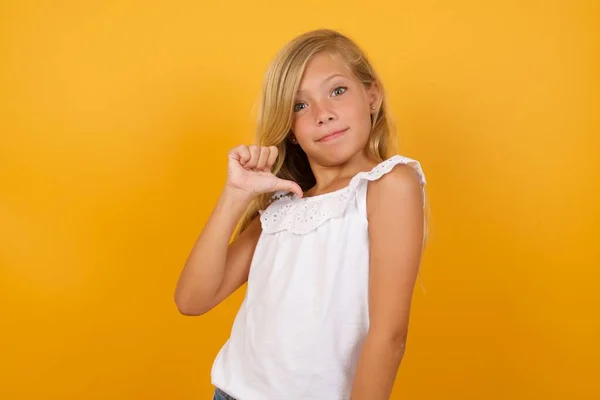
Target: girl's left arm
<point x="396" y="228"/>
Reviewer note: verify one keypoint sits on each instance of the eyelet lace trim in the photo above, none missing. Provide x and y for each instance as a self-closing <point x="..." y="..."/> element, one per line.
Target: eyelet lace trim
<point x="302" y="215"/>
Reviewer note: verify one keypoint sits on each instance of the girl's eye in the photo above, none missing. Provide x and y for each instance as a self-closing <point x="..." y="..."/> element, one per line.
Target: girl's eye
<point x="339" y="90"/>
<point x="336" y="92"/>
<point x="297" y="106"/>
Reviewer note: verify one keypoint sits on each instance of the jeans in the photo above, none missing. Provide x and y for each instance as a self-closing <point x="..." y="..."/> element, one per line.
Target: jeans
<point x="221" y="395"/>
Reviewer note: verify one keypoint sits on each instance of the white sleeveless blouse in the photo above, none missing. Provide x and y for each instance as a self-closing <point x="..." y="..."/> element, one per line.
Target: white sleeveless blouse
<point x="300" y="328"/>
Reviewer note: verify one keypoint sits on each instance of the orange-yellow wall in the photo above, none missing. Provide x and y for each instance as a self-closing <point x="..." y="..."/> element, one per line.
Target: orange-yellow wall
<point x="115" y="120"/>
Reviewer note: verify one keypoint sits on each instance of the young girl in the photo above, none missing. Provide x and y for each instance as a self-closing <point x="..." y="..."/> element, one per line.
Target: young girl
<point x="330" y="240"/>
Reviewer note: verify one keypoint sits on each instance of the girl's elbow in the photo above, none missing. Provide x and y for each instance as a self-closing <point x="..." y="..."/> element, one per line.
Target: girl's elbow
<point x="188" y="307"/>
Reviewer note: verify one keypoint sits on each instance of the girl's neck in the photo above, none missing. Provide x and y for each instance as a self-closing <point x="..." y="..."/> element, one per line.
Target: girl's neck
<point x="332" y="178"/>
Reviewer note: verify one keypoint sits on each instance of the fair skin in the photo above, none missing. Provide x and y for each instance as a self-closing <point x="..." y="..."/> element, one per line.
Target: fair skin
<point x="331" y="99"/>
<point x="395" y="214"/>
<point x="216" y="268"/>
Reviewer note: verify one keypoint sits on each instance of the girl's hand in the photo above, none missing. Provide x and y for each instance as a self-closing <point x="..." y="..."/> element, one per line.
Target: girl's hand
<point x="249" y="171"/>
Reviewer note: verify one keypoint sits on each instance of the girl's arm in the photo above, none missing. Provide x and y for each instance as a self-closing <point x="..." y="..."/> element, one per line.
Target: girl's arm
<point x="215" y="268"/>
<point x="396" y="229"/>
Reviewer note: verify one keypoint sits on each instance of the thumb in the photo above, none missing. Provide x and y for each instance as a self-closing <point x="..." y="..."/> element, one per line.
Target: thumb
<point x="289" y="186"/>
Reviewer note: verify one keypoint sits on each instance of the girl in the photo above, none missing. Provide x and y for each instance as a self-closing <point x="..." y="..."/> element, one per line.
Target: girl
<point x="330" y="240"/>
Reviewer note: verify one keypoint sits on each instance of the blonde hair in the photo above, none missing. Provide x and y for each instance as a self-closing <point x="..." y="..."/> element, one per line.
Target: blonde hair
<point x="274" y="120"/>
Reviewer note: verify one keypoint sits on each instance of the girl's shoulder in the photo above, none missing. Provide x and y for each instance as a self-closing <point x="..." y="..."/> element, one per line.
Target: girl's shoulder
<point x="301" y="215"/>
<point x="388" y="165"/>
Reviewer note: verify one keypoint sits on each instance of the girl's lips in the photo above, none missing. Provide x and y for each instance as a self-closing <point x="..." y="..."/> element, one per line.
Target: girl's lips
<point x="333" y="136"/>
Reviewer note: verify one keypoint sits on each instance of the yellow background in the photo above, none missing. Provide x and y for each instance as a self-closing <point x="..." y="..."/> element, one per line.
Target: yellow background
<point x="115" y="120"/>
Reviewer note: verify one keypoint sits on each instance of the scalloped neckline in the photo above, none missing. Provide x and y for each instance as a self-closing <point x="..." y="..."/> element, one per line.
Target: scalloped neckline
<point x="345" y="188"/>
<point x="320" y="196"/>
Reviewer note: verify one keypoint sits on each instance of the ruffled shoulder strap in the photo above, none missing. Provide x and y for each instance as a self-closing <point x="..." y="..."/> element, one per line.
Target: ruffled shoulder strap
<point x="386" y="166"/>
<point x="302" y="215"/>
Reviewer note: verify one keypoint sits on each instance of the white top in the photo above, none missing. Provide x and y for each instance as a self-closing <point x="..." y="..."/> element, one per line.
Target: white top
<point x="300" y="328"/>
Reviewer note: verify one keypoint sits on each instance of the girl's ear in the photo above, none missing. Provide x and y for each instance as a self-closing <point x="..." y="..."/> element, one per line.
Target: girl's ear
<point x="374" y="95"/>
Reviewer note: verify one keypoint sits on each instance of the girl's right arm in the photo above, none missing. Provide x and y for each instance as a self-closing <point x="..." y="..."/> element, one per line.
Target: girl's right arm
<point x="215" y="268"/>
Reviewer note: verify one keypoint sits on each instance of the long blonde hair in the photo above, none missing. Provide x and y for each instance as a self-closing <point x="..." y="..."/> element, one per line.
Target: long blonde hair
<point x="274" y="120"/>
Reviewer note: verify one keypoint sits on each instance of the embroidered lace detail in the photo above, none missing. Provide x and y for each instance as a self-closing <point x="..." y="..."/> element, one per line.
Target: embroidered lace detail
<point x="302" y="215"/>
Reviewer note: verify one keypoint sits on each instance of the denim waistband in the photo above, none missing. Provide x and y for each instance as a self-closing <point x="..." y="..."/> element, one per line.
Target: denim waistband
<point x="221" y="395"/>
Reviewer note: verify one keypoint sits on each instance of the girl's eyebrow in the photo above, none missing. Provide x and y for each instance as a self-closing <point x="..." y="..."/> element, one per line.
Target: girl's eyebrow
<point x="325" y="80"/>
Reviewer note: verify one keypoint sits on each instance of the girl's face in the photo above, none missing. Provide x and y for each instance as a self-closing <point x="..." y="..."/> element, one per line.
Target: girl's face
<point x="331" y="119"/>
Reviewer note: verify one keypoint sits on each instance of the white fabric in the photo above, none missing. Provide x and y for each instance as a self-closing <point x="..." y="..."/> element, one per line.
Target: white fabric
<point x="300" y="328"/>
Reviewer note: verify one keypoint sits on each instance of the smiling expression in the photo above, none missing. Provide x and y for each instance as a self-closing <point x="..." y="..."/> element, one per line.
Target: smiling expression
<point x="331" y="116"/>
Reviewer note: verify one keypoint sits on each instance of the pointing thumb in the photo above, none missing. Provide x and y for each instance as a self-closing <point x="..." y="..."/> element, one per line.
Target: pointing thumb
<point x="289" y="186"/>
